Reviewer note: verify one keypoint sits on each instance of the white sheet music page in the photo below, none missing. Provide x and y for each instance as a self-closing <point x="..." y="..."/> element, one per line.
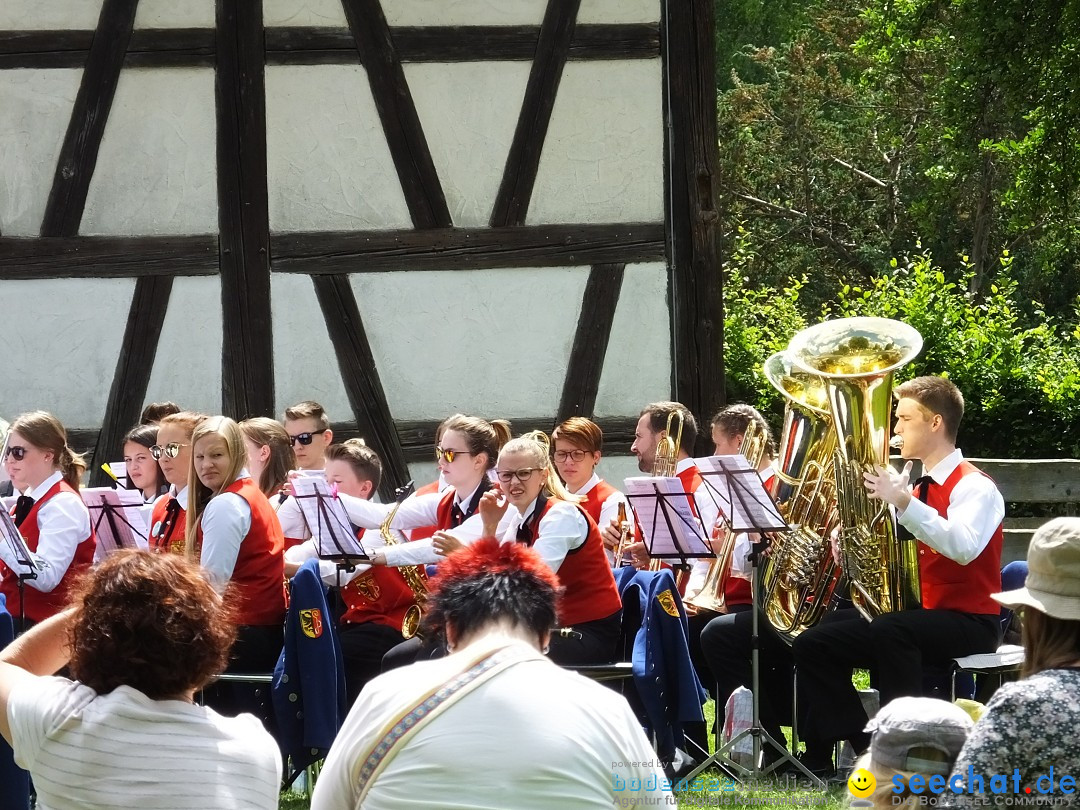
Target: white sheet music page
<point x="16" y="544"/>
<point x="326" y="519"/>
<point x="119" y="518"/>
<point x="739" y="493"/>
<point x="668" y="526"/>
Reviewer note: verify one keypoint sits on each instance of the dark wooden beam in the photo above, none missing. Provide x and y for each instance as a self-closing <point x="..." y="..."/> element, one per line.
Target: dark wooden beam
<point x="523" y="159"/>
<point x="107" y="257"/>
<point x="467" y="248"/>
<point x="697" y="346"/>
<point x="356" y="362"/>
<point x="397" y="112"/>
<point x="591" y="340"/>
<point x="78" y="154"/>
<point x="247" y="368"/>
<point x="303" y="45"/>
<point x="137" y="352"/>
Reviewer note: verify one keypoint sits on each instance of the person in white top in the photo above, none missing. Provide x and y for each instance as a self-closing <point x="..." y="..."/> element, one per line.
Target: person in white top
<point x="577" y="445"/>
<point x="124" y="731"/>
<point x="143" y="472"/>
<point x="307" y="429"/>
<point x="50" y="515"/>
<point x="494" y="724"/>
<point x="173" y="455"/>
<point x="270" y="456"/>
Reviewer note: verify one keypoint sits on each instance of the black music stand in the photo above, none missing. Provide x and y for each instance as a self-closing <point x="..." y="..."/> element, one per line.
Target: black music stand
<point x="669" y="528"/>
<point x="19" y="550"/>
<point x="333" y="533"/>
<point x="118" y="519"/>
<point x="749" y="509"/>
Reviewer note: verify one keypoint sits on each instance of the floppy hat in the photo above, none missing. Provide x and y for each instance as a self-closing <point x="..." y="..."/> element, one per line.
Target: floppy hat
<point x="918" y="735"/>
<point x="1053" y="580"/>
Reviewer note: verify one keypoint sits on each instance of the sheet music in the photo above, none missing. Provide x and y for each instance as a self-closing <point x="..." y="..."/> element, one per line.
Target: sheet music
<point x="326" y="519"/>
<point x="669" y="527"/>
<point x="737" y="489"/>
<point x="119" y="469"/>
<point x="119" y="519"/>
<point x="14" y="540"/>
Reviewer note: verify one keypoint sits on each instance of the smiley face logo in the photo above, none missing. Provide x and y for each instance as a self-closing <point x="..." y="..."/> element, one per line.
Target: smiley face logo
<point x="861" y="783"/>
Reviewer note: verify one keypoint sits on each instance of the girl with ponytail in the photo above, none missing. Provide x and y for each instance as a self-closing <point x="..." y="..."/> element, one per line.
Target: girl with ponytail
<point x="50" y="515"/>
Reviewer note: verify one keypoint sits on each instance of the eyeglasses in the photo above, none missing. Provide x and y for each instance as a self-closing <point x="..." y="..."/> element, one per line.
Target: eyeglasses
<point x="304" y="438"/>
<point x="522" y="475"/>
<point x="569" y="455"/>
<point x="449" y="455"/>
<point x="17" y="453"/>
<point x="171" y="450"/>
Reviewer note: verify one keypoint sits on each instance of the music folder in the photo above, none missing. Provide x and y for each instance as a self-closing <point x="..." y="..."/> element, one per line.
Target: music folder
<point x="119" y="518"/>
<point x="324" y="513"/>
<point x="668" y="525"/>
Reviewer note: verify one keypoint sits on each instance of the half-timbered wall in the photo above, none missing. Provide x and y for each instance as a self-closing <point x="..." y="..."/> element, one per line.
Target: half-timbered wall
<point x="402" y="209"/>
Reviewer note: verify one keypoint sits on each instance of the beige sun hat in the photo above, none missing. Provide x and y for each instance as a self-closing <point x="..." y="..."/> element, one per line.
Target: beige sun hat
<point x="1053" y="580"/>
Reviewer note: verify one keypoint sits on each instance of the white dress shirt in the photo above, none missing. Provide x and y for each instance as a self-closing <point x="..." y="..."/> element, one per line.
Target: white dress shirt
<point x="226" y="521"/>
<point x="975" y="510"/>
<point x="561" y="530"/>
<point x="63" y="522"/>
<point x="609" y="510"/>
<point x="708" y="511"/>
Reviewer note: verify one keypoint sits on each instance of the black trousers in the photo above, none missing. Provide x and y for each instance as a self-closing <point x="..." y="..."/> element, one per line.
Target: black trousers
<point x="256" y="651"/>
<point x="362" y="649"/>
<point x="894" y="647"/>
<point x="727" y="645"/>
<point x="594" y="642"/>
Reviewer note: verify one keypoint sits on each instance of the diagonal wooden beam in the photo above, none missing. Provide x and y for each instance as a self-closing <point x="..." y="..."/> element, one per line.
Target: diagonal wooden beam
<point x="523" y="159"/>
<point x="78" y="155"/>
<point x="400" y="122"/>
<point x="247" y="365"/>
<point x="357" y="364"/>
<point x="591" y="341"/>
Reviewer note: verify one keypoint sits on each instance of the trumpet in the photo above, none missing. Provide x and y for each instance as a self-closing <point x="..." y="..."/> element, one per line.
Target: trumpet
<point x="410" y="625"/>
<point x="624" y="535"/>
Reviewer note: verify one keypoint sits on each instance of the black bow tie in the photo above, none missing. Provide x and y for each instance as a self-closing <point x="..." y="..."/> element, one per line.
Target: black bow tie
<point x="457" y="517"/>
<point x="22" y="508"/>
<point x="168" y="523"/>
<point x="921" y="487"/>
<point x="525" y="533"/>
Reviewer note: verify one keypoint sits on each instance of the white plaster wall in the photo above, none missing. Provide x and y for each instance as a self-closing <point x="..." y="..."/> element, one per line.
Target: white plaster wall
<point x="619" y="11"/>
<point x="473" y="341"/>
<point x="637" y="368"/>
<point x="305" y="12"/>
<point x="424" y="472"/>
<point x="60" y="341"/>
<point x="305" y="366"/>
<point x="464" y="12"/>
<point x="35" y="106"/>
<point x="603" y="158"/>
<point x="156" y="169"/>
<point x="175" y="14"/>
<point x="469" y="111"/>
<point x="49" y="14"/>
<point x="187" y="368"/>
<point x="328" y="165"/>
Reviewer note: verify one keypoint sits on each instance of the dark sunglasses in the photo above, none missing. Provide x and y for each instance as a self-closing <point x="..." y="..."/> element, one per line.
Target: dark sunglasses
<point x="304" y="438"/>
<point x="449" y="455"/>
<point x="17" y="453"/>
<point x="171" y="450"/>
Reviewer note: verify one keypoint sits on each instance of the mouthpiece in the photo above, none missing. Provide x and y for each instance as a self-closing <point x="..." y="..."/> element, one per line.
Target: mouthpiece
<point x="896" y="442"/>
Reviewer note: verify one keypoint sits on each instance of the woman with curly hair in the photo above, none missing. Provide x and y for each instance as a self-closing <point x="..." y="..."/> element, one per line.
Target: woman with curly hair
<point x="144" y="633"/>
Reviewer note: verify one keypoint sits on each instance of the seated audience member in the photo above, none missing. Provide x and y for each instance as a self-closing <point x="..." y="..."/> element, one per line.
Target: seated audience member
<point x="910" y="736"/>
<point x="270" y="455"/>
<point x="493" y="724"/>
<point x="1030" y="725"/>
<point x="144" y="633"/>
<point x="143" y="472"/>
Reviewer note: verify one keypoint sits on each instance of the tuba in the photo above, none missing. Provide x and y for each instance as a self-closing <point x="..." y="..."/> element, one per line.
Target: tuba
<point x="856" y="358"/>
<point x="411" y="573"/>
<point x="711" y="595"/>
<point x="799" y="575"/>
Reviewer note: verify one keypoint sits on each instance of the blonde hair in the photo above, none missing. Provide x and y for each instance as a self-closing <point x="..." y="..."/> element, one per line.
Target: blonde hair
<point x="198" y="493"/>
<point x="44" y="431"/>
<point x="537" y="445"/>
<point x="187" y="420"/>
<point x="480" y="435"/>
<point x="264" y="431"/>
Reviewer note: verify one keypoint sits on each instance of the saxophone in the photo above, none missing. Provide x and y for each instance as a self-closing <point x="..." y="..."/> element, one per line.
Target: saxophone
<point x="411" y="573"/>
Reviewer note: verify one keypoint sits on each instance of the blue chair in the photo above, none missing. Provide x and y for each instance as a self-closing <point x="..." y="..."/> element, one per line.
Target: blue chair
<point x="14" y="781"/>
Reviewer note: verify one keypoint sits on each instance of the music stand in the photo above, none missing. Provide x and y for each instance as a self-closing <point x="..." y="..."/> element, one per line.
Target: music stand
<point x="324" y="513"/>
<point x="19" y="550"/>
<point x="669" y="528"/>
<point x="118" y="518"/>
<point x="749" y="508"/>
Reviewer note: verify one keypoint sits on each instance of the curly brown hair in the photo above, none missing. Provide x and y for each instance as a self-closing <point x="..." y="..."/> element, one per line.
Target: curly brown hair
<point x="149" y="621"/>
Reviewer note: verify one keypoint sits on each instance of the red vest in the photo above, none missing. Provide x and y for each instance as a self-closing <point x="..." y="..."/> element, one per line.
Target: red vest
<point x="379" y="595"/>
<point x="39" y="605"/>
<point x="594" y="499"/>
<point x="167" y="538"/>
<point x="425" y="531"/>
<point x="589" y="591"/>
<point x="259" y="574"/>
<point x="948" y="585"/>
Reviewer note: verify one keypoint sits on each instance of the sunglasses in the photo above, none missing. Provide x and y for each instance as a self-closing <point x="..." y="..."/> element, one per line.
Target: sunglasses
<point x="522" y="475"/>
<point x="17" y="453"/>
<point x="449" y="455"/>
<point x="304" y="438"/>
<point x="171" y="450"/>
<point x="569" y="455"/>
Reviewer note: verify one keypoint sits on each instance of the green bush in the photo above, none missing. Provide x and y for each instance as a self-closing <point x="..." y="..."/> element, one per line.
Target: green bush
<point x="1020" y="375"/>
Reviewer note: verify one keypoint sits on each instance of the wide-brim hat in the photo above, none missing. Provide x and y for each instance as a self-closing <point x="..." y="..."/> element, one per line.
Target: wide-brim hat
<point x="1053" y="580"/>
